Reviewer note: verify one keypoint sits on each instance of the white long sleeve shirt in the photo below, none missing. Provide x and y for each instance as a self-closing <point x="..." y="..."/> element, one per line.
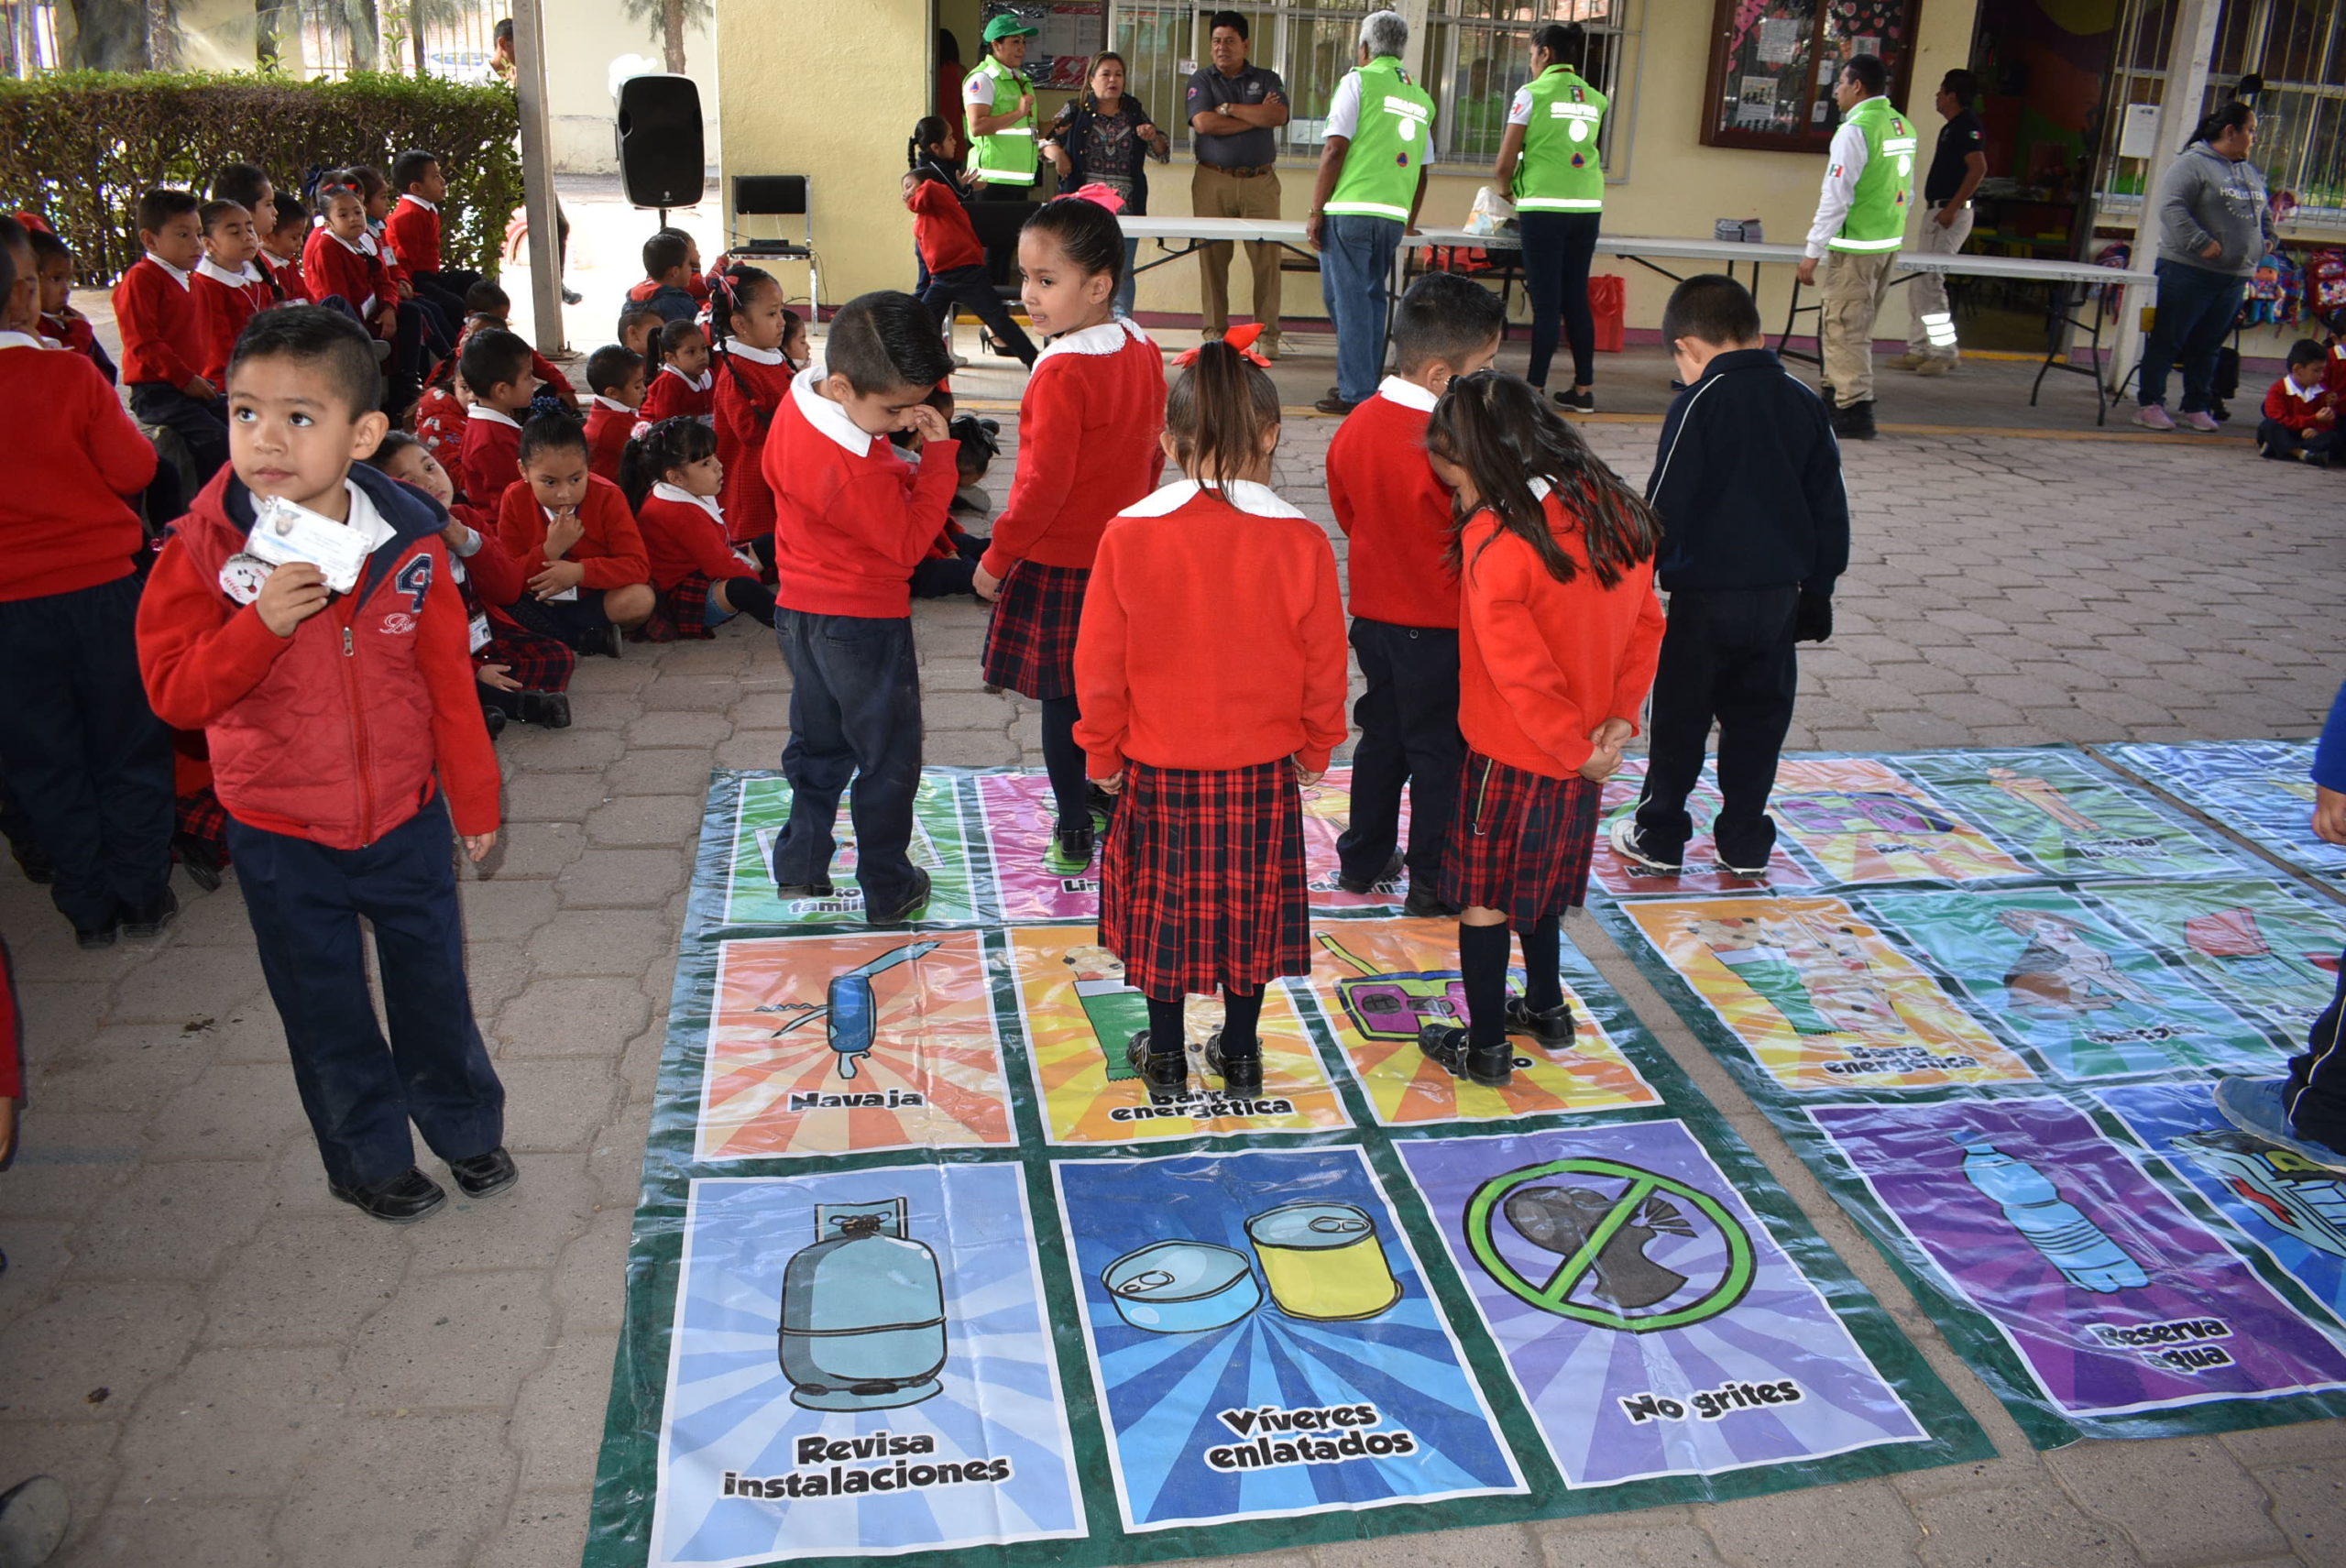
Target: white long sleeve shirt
<point x="1843" y="165"/>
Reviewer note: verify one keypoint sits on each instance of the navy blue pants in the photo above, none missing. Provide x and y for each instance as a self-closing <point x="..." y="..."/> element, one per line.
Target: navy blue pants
<point x="1557" y="249"/>
<point x="970" y="286"/>
<point x="2316" y="1094"/>
<point x="1408" y="715"/>
<point x="1728" y="655"/>
<point x="2279" y="441"/>
<point x="854" y="715"/>
<point x="361" y="1091"/>
<point x="204" y="426"/>
<point x="86" y="759"/>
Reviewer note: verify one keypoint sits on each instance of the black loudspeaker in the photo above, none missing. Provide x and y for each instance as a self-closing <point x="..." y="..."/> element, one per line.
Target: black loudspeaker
<point x="661" y="158"/>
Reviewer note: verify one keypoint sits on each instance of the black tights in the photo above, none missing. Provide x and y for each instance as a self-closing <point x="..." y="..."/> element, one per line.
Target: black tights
<point x="1482" y="965"/>
<point x="1240" y="1011"/>
<point x="1063" y="760"/>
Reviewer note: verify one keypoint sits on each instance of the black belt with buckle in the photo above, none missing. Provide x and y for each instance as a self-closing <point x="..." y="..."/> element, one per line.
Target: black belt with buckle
<point x="1245" y="174"/>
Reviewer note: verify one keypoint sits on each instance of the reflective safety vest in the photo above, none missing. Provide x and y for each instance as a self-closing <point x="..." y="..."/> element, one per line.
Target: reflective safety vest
<point x="1380" y="177"/>
<point x="1876" y="220"/>
<point x="1561" y="170"/>
<point x="1006" y="157"/>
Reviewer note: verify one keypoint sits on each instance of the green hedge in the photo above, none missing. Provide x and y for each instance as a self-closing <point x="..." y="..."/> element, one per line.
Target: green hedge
<point x="79" y="147"/>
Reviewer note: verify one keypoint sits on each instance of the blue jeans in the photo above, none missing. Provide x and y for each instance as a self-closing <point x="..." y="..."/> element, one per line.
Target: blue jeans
<point x="854" y="715"/>
<point x="305" y="902"/>
<point x="1355" y="258"/>
<point x="1125" y="288"/>
<point x="2196" y="308"/>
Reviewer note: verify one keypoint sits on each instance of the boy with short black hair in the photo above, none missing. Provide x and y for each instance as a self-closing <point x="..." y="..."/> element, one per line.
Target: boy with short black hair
<point x="2300" y="421"/>
<point x="344" y="734"/>
<point x="59" y="322"/>
<point x="283" y="235"/>
<point x="414" y="227"/>
<point x="615" y="382"/>
<point x="1755" y="531"/>
<point x="852" y="520"/>
<point x="231" y="289"/>
<point x="496" y="365"/>
<point x="669" y="259"/>
<point x="1404" y="592"/>
<point x="163" y="337"/>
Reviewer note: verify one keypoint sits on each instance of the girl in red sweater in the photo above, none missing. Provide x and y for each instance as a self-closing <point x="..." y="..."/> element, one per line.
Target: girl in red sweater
<point x="682" y="385"/>
<point x="1558" y="631"/>
<point x="753" y="331"/>
<point x="1087" y="448"/>
<point x="672" y="476"/>
<point x="1211" y="666"/>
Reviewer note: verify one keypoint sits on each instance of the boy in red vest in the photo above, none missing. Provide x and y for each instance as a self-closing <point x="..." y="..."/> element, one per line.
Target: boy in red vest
<point x="615" y="379"/>
<point x="338" y="704"/>
<point x="163" y="333"/>
<point x="1404" y="594"/>
<point x="496" y="365"/>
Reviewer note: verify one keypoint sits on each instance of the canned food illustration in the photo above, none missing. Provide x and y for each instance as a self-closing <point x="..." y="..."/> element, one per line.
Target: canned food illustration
<point x="1182" y="1287"/>
<point x="1323" y="1261"/>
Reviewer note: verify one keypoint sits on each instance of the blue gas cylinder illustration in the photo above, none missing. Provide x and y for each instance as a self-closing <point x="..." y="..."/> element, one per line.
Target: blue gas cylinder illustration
<point x="863" y="1312"/>
<point x="2071" y="1242"/>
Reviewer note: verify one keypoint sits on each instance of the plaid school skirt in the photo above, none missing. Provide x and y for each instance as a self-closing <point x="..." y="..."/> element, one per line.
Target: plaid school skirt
<point x="198" y="815"/>
<point x="1519" y="842"/>
<point x="1030" y="643"/>
<point x="1201" y="884"/>
<point x="676" y="613"/>
<point x="540" y="664"/>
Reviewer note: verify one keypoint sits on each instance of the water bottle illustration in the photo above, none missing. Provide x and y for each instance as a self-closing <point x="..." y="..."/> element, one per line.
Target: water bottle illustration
<point x="853" y="1009"/>
<point x="2083" y="1252"/>
<point x="863" y="1312"/>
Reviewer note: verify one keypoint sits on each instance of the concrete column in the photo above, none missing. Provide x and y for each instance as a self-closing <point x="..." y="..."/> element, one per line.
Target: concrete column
<point x="1413" y="58"/>
<point x="537" y="175"/>
<point x="2188" y="52"/>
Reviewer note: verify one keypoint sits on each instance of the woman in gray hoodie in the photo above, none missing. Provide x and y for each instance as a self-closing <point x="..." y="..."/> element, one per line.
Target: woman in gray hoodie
<point x="2214" y="226"/>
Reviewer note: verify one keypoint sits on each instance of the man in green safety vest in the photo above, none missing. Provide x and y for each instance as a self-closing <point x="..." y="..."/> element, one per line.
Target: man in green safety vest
<point x="1000" y="101"/>
<point x="1372" y="179"/>
<point x="1550" y="165"/>
<point x="1861" y="222"/>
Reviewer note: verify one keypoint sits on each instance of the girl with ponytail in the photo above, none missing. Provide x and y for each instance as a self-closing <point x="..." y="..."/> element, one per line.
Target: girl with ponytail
<point x="751" y="331"/>
<point x="672" y="476"/>
<point x="1210" y="671"/>
<point x="1558" y="633"/>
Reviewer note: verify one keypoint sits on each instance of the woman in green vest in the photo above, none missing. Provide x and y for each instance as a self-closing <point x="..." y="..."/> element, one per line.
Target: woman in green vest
<point x="999" y="100"/>
<point x="1550" y="165"/>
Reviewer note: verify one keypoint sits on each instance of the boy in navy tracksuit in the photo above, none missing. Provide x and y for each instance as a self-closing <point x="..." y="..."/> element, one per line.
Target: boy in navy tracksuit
<point x="328" y="716"/>
<point x="1755" y="531"/>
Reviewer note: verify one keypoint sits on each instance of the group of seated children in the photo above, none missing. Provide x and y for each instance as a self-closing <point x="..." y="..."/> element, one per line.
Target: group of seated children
<point x="2301" y="410"/>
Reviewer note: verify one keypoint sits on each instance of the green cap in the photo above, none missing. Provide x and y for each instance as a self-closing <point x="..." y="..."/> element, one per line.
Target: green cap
<point x="1009" y="24"/>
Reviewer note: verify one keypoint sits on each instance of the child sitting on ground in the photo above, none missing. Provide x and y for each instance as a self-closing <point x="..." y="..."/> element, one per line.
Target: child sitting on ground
<point x="683" y="385"/>
<point x="615" y="391"/>
<point x="162" y="331"/>
<point x="852" y="521"/>
<point x="69" y="328"/>
<point x="576" y="540"/>
<point x="334" y="817"/>
<point x="487" y="305"/>
<point x="672" y="476"/>
<point x="338" y="263"/>
<point x="495" y="364"/>
<point x="952" y="563"/>
<point x="639" y="332"/>
<point x="670" y="260"/>
<point x="2300" y="421"/>
<point x="413" y="226"/>
<point x="229" y="286"/>
<point x="1755" y="531"/>
<point x="281" y="239"/>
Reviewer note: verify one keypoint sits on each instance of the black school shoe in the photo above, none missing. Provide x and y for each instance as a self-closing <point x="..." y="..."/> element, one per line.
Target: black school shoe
<point x="1574" y="402"/>
<point x="199" y="860"/>
<point x="1491" y="1066"/>
<point x="905" y="911"/>
<point x="1352" y="883"/>
<point x="493" y="717"/>
<point x="149" y="919"/>
<point x="1424" y="904"/>
<point x="1551" y="1027"/>
<point x="1854" y="423"/>
<point x="401" y="1200"/>
<point x="1242" y="1071"/>
<point x="485" y="1175"/>
<point x="92" y="937"/>
<point x="548" y="710"/>
<point x="34" y="861"/>
<point x="1164" y="1072"/>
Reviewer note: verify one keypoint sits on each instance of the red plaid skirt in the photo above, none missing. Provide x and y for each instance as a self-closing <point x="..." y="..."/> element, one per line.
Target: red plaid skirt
<point x="1030" y="644"/>
<point x="1519" y="842"/>
<point x="676" y="613"/>
<point x="1201" y="884"/>
<point x="199" y="817"/>
<point x="540" y="664"/>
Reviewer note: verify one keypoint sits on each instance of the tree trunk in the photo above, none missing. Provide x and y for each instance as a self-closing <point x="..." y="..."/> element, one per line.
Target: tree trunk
<point x="671" y="33"/>
<point x="364" y="24"/>
<point x="108" y="34"/>
<point x="162" y="37"/>
<point x="415" y="32"/>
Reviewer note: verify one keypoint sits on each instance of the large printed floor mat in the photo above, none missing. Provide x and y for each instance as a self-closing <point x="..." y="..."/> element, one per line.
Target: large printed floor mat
<point x="922" y="1271"/>
<point x="2258" y="789"/>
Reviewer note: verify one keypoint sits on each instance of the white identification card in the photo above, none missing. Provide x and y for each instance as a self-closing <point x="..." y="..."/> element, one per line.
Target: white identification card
<point x="480" y="634"/>
<point x="283" y="533"/>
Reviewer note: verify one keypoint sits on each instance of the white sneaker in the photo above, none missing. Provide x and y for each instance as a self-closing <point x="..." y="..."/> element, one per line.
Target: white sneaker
<point x="1623" y="837"/>
<point x="2153" y="416"/>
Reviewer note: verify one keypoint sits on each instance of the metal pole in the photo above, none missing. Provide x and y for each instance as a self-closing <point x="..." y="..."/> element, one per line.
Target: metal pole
<point x="537" y="175"/>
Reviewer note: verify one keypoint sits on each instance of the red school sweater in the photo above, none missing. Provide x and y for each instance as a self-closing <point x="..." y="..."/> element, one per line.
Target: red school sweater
<point x="682" y="535"/>
<point x="1087" y="445"/>
<point x="671" y="396"/>
<point x="1212" y="635"/>
<point x="63" y="523"/>
<point x="1542" y="663"/>
<point x="229" y="301"/>
<point x="750" y="390"/>
<point x="490" y="458"/>
<point x="851" y="518"/>
<point x="1394" y="510"/>
<point x="609" y="426"/>
<point x="611" y="550"/>
<point x="2299" y="411"/>
<point x="414" y="229"/>
<point x="941" y="229"/>
<point x="161" y="318"/>
<point x="330" y="268"/>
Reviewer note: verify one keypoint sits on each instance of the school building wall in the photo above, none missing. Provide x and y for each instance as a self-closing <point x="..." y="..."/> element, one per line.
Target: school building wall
<point x="583" y="37"/>
<point x="833" y="93"/>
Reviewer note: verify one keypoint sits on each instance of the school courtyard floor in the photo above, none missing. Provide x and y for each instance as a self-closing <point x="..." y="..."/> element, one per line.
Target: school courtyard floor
<point x="229" y="1370"/>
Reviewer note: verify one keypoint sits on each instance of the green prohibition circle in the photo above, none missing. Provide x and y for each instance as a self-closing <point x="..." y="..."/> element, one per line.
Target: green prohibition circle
<point x="1551" y="1295"/>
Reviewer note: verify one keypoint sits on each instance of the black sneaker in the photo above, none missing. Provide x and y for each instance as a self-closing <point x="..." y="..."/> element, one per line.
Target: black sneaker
<point x="1164" y="1072"/>
<point x="149" y="919"/>
<point x="905" y="912"/>
<point x="549" y="710"/>
<point x="401" y="1200"/>
<point x="199" y="860"/>
<point x="1352" y="883"/>
<point x="92" y="937"/>
<point x="1453" y="1047"/>
<point x="1240" y="1074"/>
<point x="1550" y="1027"/>
<point x="1627" y="844"/>
<point x="1574" y="402"/>
<point x="1424" y="904"/>
<point x="485" y="1175"/>
<point x="1854" y="423"/>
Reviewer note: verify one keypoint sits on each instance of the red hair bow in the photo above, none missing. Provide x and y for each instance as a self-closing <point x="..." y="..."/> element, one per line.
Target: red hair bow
<point x="1239" y="339"/>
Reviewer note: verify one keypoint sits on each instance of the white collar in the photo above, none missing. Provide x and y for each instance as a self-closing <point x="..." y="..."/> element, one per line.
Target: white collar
<point x="1258" y="500"/>
<point x="494" y="416"/>
<point x="21" y="340"/>
<point x="611" y="403"/>
<point x="411" y="196"/>
<point x="1408" y="394"/>
<point x="828" y="416"/>
<point x="219" y="274"/>
<point x="2338" y="349"/>
<point x="1539" y="489"/>
<point x="2304" y="394"/>
<point x="700" y="383"/>
<point x="180" y="276"/>
<point x="753" y="354"/>
<point x="1108" y="337"/>
<point x="366" y="246"/>
<point x="683" y="497"/>
<point x="366" y="521"/>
